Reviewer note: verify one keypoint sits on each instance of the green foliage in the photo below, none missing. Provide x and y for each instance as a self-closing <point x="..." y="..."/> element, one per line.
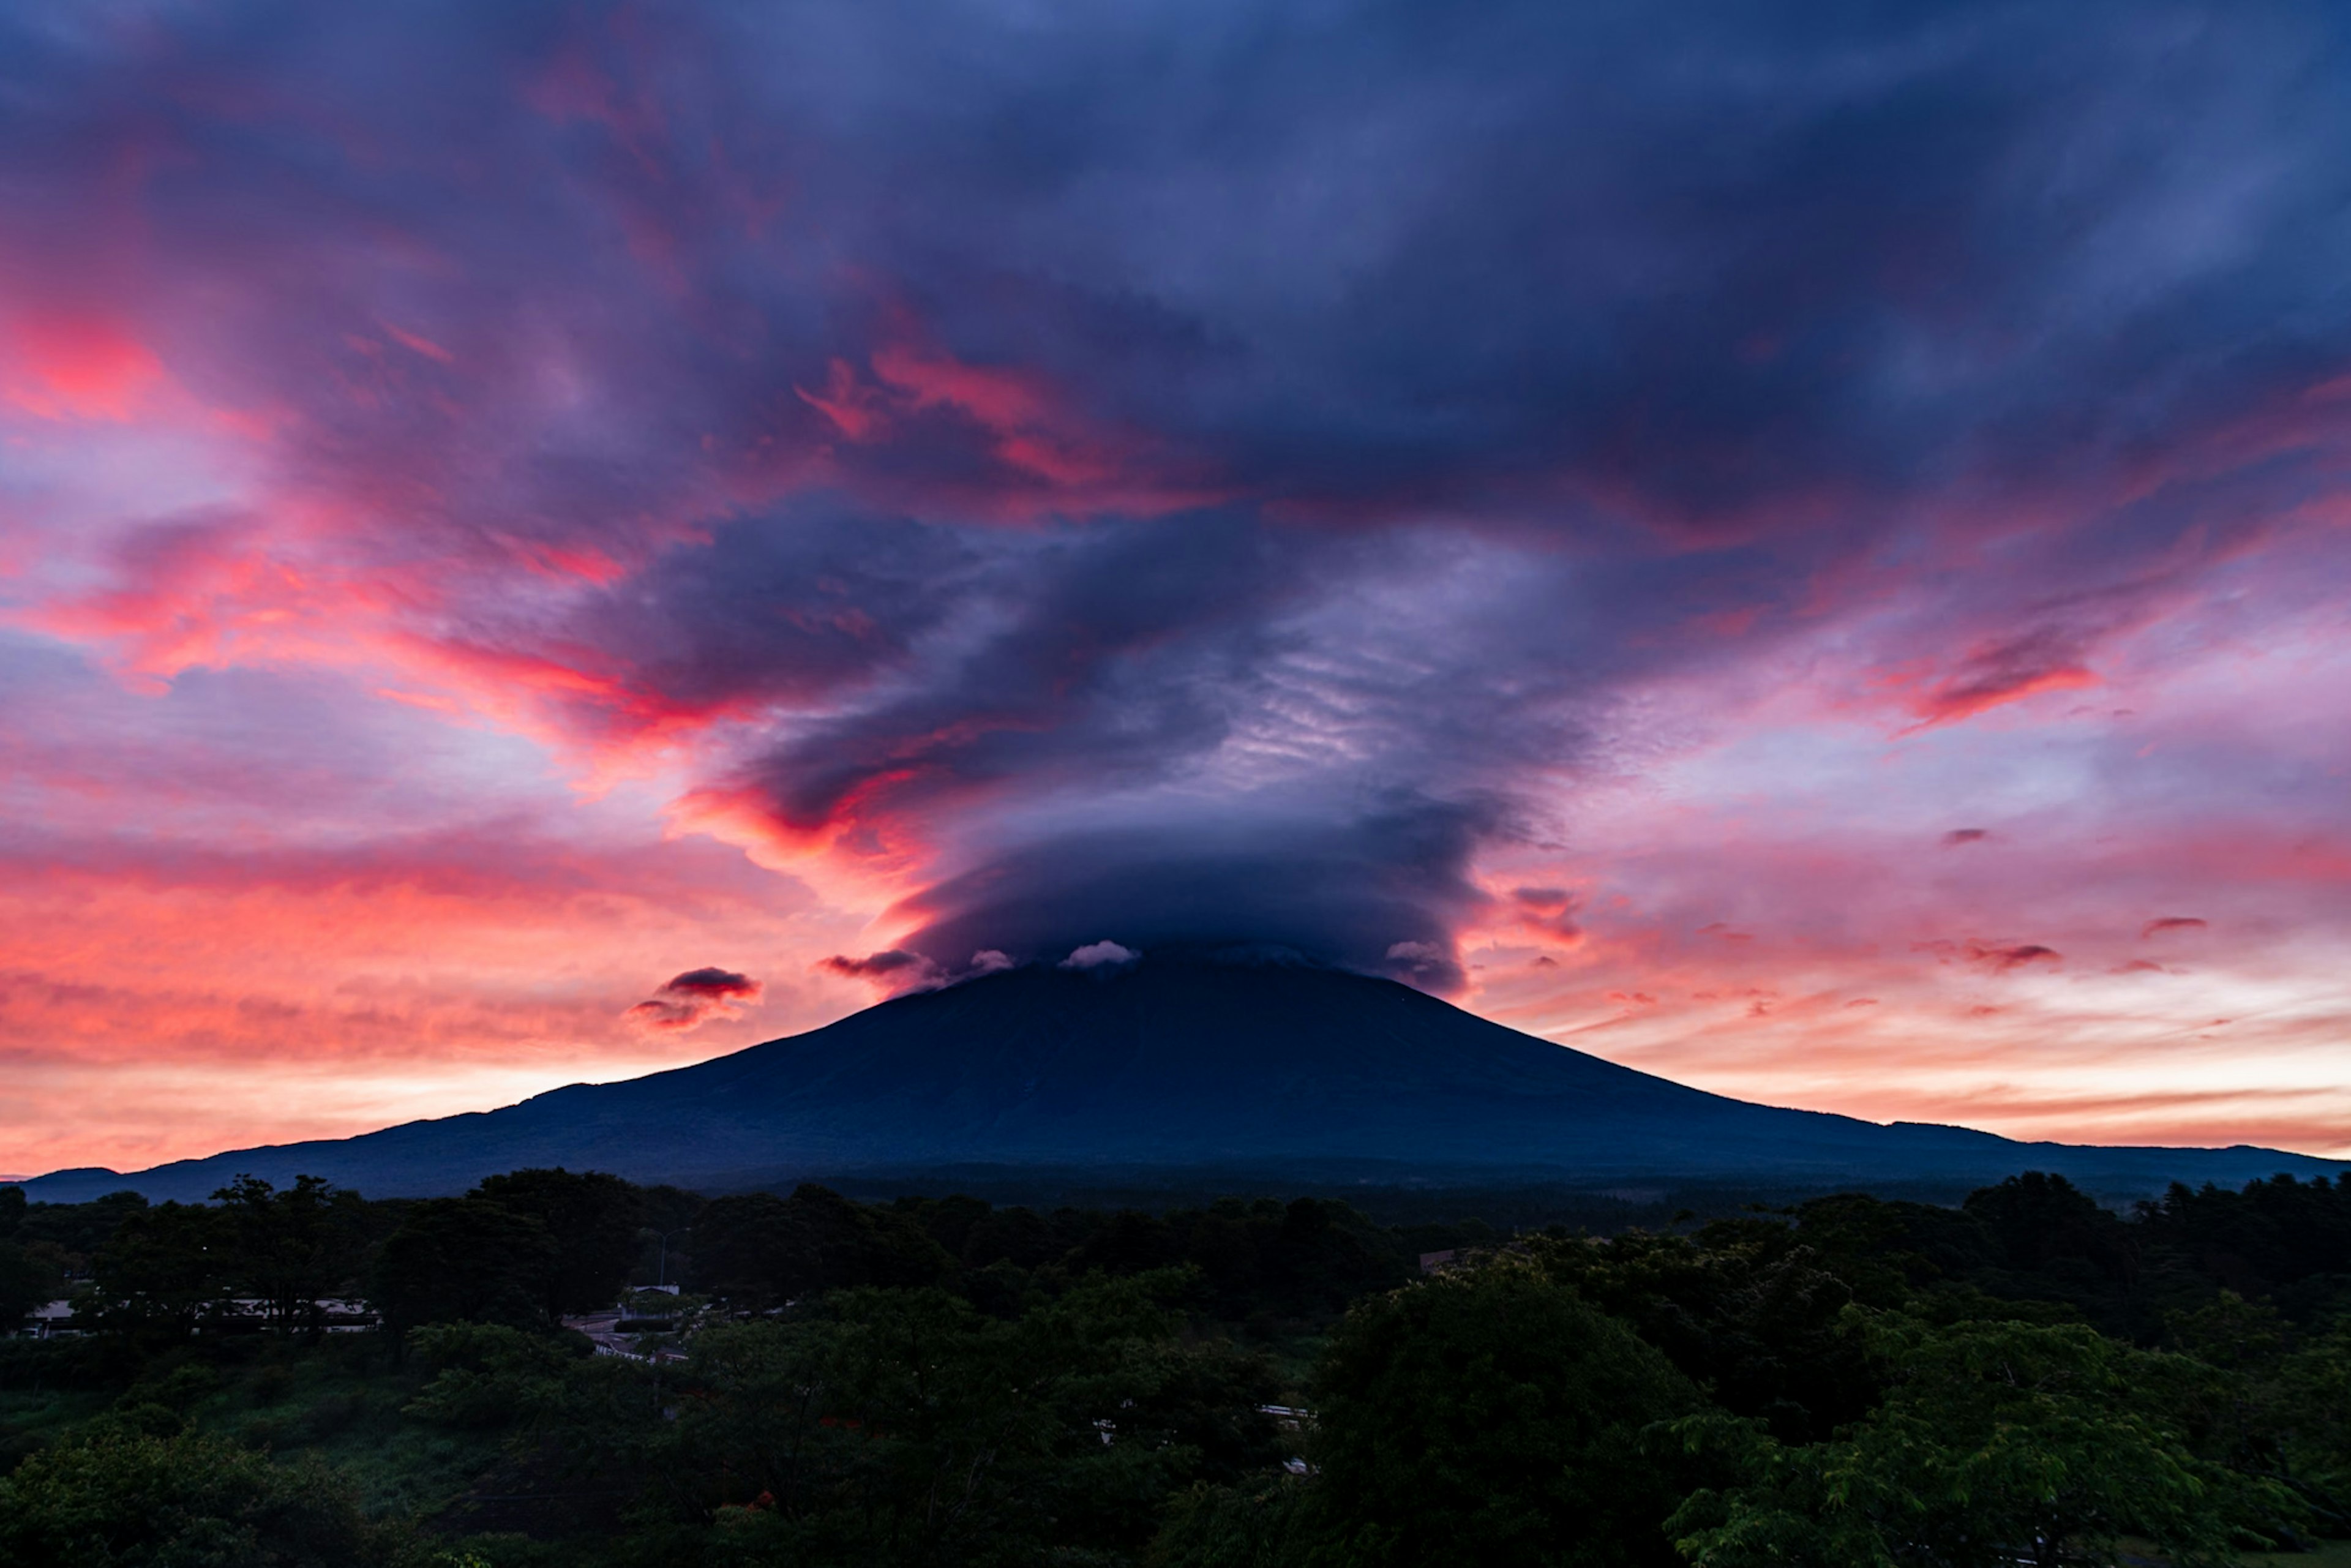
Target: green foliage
<point x="463" y="1259"/>
<point x="289" y="1249"/>
<point x="2314" y="1416"/>
<point x="2279" y="1401"/>
<point x="489" y="1374"/>
<point x="1847" y="1381"/>
<point x="1747" y="1310"/>
<point x="161" y="1272"/>
<point x="27" y="1281"/>
<point x="1493" y="1416"/>
<point x="591" y="1219"/>
<point x="2039" y="1222"/>
<point x="1999" y="1443"/>
<point x="762" y="1251"/>
<point x="77" y="1230"/>
<point x="1259" y="1262"/>
<point x="2282" y="1238"/>
<point x="122" y="1498"/>
<point x="903" y="1425"/>
<point x="1268" y="1522"/>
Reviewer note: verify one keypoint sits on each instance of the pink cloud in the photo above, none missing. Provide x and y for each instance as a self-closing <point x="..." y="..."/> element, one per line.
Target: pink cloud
<point x="76" y="366"/>
<point x="1994" y="674"/>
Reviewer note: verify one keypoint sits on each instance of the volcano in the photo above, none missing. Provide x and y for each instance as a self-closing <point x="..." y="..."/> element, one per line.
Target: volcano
<point x="1168" y="1069"/>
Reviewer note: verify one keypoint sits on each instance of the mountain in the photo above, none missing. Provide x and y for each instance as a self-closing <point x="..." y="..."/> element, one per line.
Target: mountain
<point x="1167" y="1067"/>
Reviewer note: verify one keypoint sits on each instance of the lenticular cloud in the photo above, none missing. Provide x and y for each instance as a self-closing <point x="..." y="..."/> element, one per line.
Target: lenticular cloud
<point x="693" y="998"/>
<point x="1101" y="955"/>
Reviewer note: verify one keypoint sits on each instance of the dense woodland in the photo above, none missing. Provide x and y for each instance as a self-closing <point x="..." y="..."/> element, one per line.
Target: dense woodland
<point x="2024" y="1377"/>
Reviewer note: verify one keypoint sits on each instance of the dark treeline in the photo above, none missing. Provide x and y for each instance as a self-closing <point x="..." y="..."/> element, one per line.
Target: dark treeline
<point x="2026" y="1376"/>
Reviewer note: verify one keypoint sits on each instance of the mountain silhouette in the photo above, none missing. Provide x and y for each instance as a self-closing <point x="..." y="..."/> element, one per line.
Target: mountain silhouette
<point x="1276" y="1071"/>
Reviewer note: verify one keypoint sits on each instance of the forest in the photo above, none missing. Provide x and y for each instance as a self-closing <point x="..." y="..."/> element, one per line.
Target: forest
<point x="563" y="1369"/>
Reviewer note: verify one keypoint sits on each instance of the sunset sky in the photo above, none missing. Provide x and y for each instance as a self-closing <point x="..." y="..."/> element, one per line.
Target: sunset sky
<point x="1804" y="547"/>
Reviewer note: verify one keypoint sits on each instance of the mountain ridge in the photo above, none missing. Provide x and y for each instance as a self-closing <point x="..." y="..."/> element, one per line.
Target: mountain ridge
<point x="1170" y="1065"/>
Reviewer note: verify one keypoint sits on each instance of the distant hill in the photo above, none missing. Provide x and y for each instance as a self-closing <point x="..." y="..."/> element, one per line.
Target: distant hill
<point x="1276" y="1073"/>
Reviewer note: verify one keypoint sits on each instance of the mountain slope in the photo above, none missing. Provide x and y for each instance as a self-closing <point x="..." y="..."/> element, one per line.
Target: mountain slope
<point x="1166" y="1066"/>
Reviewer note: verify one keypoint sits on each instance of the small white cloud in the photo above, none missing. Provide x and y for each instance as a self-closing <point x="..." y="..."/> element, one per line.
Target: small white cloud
<point x="1416" y="953"/>
<point x="1095" y="954"/>
<point x="988" y="960"/>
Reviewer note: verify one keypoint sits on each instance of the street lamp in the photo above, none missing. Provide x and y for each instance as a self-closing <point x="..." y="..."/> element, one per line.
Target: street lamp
<point x="661" y="1279"/>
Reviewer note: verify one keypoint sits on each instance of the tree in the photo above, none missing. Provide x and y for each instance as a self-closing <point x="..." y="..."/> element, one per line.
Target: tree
<point x="289" y="1249"/>
<point x="2000" y="1443"/>
<point x="1492" y="1416"/>
<point x="903" y="1426"/>
<point x="761" y="1251"/>
<point x="463" y="1259"/>
<point x="161" y="1272"/>
<point x="27" y="1281"/>
<point x="487" y="1373"/>
<point x="592" y="1218"/>
<point x="1266" y="1523"/>
<point x="123" y="1497"/>
<point x="2277" y="1401"/>
<point x="1745" y="1309"/>
<point x="2047" y="1228"/>
<point x="2315" y="1409"/>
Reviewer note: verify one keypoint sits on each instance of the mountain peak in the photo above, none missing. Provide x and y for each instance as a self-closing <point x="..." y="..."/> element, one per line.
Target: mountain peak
<point x="1180" y="1062"/>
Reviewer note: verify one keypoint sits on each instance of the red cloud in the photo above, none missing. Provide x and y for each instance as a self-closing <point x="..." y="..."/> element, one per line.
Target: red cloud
<point x="1046" y="452"/>
<point x="2171" y="923"/>
<point x="1995" y="673"/>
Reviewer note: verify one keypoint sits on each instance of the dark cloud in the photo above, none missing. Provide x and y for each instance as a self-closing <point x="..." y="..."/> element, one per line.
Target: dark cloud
<point x="1114" y="657"/>
<point x="689" y="1000"/>
<point x="770" y="610"/>
<point x="876" y="966"/>
<point x="1958" y="836"/>
<point x="2013" y="955"/>
<point x="712" y="983"/>
<point x="2001" y="958"/>
<point x="1383" y="893"/>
